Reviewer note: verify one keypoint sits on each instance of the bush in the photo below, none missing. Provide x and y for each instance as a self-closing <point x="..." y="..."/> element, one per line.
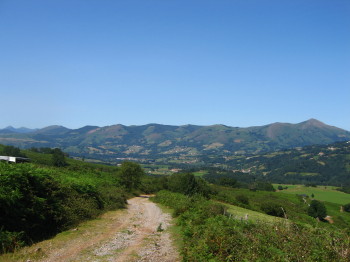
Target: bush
<point x="10" y="241"/>
<point x="36" y="202"/>
<point x="242" y="199"/>
<point x="11" y="151"/>
<point x="261" y="185"/>
<point x="317" y="210"/>
<point x="188" y="184"/>
<point x="130" y="175"/>
<point x="347" y="207"/>
<point x="196" y="204"/>
<point x="222" y="239"/>
<point x="272" y="209"/>
<point x="152" y="184"/>
<point x="58" y="158"/>
<point x="208" y="235"/>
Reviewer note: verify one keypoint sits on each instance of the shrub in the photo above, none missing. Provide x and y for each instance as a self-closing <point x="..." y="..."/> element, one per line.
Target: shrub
<point x="242" y="199"/>
<point x="272" y="209"/>
<point x="222" y="239"/>
<point x="317" y="209"/>
<point x="10" y="241"/>
<point x="347" y="207"/>
<point x="210" y="236"/>
<point x="130" y="175"/>
<point x="188" y="184"/>
<point x="58" y="158"/>
<point x="11" y="151"/>
<point x="36" y="202"/>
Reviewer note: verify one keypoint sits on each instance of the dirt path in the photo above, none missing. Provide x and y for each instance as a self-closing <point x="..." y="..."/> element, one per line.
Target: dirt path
<point x="136" y="234"/>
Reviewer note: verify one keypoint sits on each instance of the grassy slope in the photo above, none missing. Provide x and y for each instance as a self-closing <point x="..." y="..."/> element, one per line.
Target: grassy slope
<point x="295" y="207"/>
<point x="332" y="199"/>
<point x="240" y="213"/>
<point x="323" y="193"/>
<point x="216" y="238"/>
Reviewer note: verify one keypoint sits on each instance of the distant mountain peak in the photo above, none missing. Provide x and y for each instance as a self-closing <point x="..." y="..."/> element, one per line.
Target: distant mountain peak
<point x="53" y="130"/>
<point x="18" y="130"/>
<point x="313" y="122"/>
<point x="156" y="141"/>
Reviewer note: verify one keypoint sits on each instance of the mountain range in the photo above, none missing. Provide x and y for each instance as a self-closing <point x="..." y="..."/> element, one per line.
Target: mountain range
<point x="11" y="129"/>
<point x="154" y="141"/>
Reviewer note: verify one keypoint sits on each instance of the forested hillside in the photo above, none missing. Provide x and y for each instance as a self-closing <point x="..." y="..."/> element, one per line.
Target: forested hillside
<point x="316" y="164"/>
<point x="183" y="144"/>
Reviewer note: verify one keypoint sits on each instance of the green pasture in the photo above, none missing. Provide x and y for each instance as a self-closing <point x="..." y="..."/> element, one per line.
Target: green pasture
<point x="323" y="193"/>
<point x="200" y="173"/>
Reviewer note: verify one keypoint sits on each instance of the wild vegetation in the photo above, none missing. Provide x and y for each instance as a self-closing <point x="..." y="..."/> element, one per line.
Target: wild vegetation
<point x="242" y="224"/>
<point x="223" y="215"/>
<point x="42" y="198"/>
<point x="210" y="233"/>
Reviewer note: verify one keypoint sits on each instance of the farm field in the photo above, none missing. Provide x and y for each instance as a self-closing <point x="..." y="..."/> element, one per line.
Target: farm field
<point x="200" y="173"/>
<point x="323" y="193"/>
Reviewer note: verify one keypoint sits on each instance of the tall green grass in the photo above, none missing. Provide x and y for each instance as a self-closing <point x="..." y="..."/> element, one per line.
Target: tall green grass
<point x="210" y="233"/>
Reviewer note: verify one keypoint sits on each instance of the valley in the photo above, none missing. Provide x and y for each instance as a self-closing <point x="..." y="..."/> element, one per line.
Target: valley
<point x="168" y="131"/>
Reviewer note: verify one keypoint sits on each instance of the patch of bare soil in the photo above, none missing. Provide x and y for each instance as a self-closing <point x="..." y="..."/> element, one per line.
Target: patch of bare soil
<point x="136" y="234"/>
<point x="329" y="219"/>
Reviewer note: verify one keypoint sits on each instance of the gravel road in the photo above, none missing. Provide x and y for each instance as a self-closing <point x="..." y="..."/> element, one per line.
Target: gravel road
<point x="138" y="233"/>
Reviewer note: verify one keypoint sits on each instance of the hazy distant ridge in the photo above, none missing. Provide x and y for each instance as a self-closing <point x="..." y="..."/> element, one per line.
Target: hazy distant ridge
<point x="154" y="139"/>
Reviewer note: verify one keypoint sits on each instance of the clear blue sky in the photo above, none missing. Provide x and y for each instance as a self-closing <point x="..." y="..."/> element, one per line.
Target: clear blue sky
<point x="232" y="62"/>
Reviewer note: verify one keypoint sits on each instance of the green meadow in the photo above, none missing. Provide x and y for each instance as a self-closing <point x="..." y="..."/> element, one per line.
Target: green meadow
<point x="323" y="193"/>
<point x="200" y="173"/>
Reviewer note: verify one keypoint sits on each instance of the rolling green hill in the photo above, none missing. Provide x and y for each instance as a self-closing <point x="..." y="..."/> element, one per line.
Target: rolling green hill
<point x="323" y="193"/>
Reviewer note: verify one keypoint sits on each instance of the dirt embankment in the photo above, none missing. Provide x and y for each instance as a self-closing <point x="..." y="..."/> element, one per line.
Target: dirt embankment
<point x="136" y="234"/>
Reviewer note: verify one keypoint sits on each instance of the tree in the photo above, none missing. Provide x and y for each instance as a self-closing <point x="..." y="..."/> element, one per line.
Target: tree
<point x="346" y="208"/>
<point x="12" y="151"/>
<point x="184" y="183"/>
<point x="58" y="158"/>
<point x="317" y="210"/>
<point x="130" y="175"/>
<point x="188" y="184"/>
<point x="261" y="185"/>
<point x="227" y="181"/>
<point x="273" y="209"/>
